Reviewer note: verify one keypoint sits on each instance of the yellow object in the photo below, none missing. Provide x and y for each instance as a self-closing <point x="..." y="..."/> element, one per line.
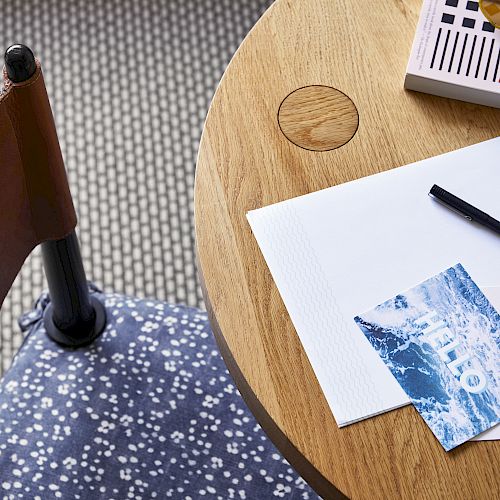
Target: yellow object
<point x="491" y="10"/>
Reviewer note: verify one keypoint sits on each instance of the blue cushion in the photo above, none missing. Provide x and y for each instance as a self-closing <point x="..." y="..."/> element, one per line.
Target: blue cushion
<point x="147" y="411"/>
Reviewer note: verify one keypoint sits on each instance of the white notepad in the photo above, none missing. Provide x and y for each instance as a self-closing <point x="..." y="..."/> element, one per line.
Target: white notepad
<point x="338" y="252"/>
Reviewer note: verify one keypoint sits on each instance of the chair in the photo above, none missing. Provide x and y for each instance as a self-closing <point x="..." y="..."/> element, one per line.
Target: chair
<point x="109" y="396"/>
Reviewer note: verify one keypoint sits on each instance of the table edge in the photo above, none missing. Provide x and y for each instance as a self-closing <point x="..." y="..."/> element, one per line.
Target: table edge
<point x="319" y="483"/>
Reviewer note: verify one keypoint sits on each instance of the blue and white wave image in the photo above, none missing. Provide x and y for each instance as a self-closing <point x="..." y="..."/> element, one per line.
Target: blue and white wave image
<point x="441" y="340"/>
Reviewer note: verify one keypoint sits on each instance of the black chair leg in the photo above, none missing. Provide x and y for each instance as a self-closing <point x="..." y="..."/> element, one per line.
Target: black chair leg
<point x="73" y="318"/>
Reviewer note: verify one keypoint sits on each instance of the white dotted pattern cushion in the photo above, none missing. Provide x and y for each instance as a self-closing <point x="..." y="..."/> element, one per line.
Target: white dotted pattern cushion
<point x="147" y="411"/>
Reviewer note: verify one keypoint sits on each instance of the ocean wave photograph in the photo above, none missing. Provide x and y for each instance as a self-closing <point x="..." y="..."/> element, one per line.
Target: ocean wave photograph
<point x="441" y="340"/>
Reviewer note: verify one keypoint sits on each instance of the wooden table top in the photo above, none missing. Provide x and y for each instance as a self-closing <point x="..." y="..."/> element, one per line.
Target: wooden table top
<point x="263" y="142"/>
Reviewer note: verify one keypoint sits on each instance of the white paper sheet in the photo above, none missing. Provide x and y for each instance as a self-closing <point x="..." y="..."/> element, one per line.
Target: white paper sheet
<point x="338" y="252"/>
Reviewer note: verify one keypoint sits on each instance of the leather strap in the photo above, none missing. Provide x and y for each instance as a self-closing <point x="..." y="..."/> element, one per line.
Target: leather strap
<point x="35" y="201"/>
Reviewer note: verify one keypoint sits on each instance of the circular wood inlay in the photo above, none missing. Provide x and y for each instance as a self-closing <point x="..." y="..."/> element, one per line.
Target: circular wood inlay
<point x="318" y="118"/>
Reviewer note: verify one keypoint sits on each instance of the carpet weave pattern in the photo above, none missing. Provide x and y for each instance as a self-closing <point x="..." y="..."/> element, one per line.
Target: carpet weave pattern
<point x="130" y="82"/>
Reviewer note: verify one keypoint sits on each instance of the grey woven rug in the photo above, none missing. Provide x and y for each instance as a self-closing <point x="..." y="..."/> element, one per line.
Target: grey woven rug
<point x="130" y="82"/>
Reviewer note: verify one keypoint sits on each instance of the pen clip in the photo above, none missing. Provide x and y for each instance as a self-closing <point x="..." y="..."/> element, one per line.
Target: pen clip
<point x="453" y="209"/>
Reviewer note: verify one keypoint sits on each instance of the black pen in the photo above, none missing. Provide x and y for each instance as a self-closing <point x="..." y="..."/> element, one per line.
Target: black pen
<point x="464" y="209"/>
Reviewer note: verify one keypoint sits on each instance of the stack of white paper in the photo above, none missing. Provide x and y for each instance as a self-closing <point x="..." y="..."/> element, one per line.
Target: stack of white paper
<point x="339" y="252"/>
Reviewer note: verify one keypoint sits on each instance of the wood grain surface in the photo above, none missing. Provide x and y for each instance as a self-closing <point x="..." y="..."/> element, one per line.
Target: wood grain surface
<point x="491" y="10"/>
<point x="246" y="162"/>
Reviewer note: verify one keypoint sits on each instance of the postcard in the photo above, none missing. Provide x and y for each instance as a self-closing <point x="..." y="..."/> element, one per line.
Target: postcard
<point x="441" y="341"/>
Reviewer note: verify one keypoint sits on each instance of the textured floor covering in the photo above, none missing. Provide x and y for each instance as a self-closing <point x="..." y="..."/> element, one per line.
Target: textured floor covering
<point x="130" y="83"/>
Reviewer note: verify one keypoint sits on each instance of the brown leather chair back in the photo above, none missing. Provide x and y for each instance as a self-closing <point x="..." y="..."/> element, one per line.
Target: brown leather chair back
<point x="35" y="201"/>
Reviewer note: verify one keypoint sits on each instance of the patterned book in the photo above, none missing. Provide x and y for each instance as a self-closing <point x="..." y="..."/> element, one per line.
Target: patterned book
<point x="441" y="340"/>
<point x="455" y="53"/>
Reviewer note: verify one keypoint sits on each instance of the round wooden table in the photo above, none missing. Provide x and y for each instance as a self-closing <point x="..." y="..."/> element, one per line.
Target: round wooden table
<point x="314" y="97"/>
